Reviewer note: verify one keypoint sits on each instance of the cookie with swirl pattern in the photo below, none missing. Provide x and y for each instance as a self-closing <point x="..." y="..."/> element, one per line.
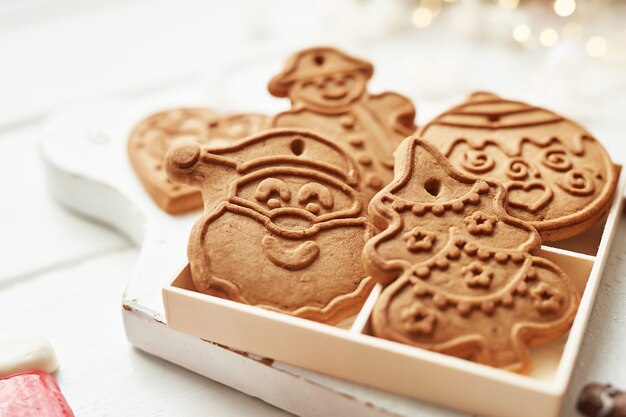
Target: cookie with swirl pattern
<point x="559" y="177"/>
<point x="460" y="274"/>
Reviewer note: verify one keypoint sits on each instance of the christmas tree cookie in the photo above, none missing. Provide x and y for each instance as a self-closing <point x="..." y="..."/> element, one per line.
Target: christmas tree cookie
<point x="459" y="271"/>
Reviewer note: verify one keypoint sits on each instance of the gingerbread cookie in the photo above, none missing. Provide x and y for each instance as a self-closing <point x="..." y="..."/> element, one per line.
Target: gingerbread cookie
<point x="328" y="93"/>
<point x="283" y="226"/>
<point x="151" y="138"/>
<point x="559" y="178"/>
<point x="460" y="274"/>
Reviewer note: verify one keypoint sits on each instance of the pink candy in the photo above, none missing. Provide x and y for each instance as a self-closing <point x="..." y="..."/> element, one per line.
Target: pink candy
<point x="32" y="394"/>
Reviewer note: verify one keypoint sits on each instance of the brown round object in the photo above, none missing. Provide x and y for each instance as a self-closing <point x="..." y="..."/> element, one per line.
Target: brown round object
<point x="601" y="400"/>
<point x="559" y="177"/>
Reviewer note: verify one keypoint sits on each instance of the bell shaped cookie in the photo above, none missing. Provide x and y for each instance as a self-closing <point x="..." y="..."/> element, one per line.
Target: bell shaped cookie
<point x="283" y="226"/>
<point x="558" y="176"/>
<point x="328" y="93"/>
<point x="459" y="271"/>
<point x="153" y="136"/>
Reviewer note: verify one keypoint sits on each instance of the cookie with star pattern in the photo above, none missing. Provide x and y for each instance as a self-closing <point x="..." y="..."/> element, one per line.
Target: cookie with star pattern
<point x="460" y="273"/>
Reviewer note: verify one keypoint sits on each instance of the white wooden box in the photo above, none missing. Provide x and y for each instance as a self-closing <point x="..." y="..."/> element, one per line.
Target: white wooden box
<point x="351" y="353"/>
<point x="95" y="179"/>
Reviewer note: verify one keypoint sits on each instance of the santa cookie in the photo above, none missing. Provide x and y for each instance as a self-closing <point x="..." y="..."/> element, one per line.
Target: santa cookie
<point x="460" y="275"/>
<point x="559" y="178"/>
<point x="151" y="138"/>
<point x="283" y="226"/>
<point x="328" y="93"/>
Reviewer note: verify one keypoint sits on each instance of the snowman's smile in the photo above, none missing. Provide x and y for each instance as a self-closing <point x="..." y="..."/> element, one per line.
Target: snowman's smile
<point x="335" y="93"/>
<point x="289" y="256"/>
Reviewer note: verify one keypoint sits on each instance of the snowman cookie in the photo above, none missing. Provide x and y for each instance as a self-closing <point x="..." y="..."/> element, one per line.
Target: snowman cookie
<point x="328" y="93"/>
<point x="559" y="178"/>
<point x="283" y="226"/>
<point x="151" y="138"/>
<point x="461" y="278"/>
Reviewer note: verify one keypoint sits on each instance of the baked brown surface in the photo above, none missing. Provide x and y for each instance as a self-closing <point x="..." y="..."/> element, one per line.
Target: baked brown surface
<point x="283" y="226"/>
<point x="151" y="138"/>
<point x="559" y="177"/>
<point x="328" y="93"/>
<point x="461" y="278"/>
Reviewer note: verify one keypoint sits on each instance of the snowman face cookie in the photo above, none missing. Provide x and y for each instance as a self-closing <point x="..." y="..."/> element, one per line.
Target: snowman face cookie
<point x="296" y="199"/>
<point x="283" y="227"/>
<point x="559" y="178"/>
<point x="329" y="91"/>
<point x="460" y="275"/>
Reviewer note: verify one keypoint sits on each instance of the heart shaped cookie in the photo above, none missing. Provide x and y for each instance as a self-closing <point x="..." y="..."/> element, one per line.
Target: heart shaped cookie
<point x="153" y="136"/>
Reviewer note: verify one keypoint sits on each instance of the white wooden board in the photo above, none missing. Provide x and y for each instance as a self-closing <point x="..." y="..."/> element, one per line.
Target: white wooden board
<point x="77" y="309"/>
<point x="37" y="234"/>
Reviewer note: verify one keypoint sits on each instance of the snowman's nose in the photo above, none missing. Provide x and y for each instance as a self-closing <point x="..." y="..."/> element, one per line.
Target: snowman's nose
<point x="181" y="158"/>
<point x="185" y="155"/>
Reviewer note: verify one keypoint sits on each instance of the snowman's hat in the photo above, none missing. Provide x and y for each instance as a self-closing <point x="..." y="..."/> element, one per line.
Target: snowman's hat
<point x="484" y="116"/>
<point x="192" y="163"/>
<point x="489" y="111"/>
<point x="313" y="62"/>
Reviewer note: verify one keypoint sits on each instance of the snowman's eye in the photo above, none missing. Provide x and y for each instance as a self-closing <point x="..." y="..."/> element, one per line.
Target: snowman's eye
<point x="315" y="190"/>
<point x="273" y="187"/>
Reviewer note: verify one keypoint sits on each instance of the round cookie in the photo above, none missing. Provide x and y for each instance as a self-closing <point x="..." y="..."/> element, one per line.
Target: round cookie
<point x="559" y="177"/>
<point x="459" y="271"/>
<point x="153" y="136"/>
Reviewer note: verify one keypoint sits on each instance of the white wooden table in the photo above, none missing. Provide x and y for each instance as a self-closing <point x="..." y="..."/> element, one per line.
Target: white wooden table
<point x="63" y="276"/>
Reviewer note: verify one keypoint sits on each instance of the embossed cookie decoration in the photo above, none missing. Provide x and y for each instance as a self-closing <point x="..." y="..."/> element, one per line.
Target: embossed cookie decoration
<point x="283" y="226"/>
<point x="328" y="93"/>
<point x="459" y="274"/>
<point x="151" y="138"/>
<point x="559" y="178"/>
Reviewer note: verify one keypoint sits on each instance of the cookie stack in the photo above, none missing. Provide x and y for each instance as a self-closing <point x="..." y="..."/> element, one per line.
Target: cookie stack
<point x="305" y="210"/>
